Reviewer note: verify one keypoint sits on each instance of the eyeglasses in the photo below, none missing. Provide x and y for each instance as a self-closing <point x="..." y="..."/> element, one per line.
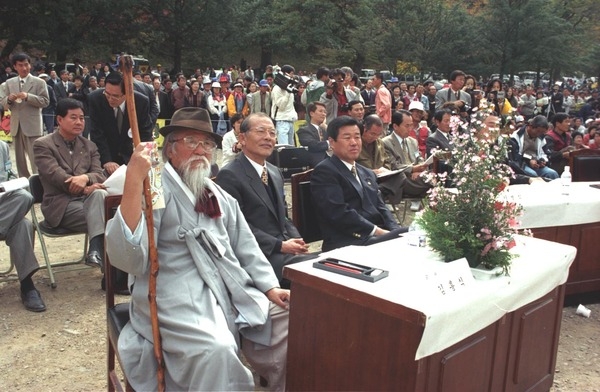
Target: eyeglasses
<point x="112" y="96"/>
<point x="262" y="132"/>
<point x="192" y="143"/>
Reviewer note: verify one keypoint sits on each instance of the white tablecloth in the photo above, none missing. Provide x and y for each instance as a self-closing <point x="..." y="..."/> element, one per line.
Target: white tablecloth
<point x="539" y="268"/>
<point x="544" y="205"/>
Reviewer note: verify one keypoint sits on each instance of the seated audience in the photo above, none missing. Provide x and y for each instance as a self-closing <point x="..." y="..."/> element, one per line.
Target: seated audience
<point x="348" y="203"/>
<point x="558" y="142"/>
<point x="257" y="185"/>
<point x="219" y="293"/>
<point x="231" y="141"/>
<point x="17" y="231"/>
<point x="402" y="153"/>
<point x="529" y="153"/>
<point x="70" y="171"/>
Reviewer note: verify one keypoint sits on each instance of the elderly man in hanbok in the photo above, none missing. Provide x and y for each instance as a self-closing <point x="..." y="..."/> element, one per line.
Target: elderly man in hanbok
<point x="216" y="292"/>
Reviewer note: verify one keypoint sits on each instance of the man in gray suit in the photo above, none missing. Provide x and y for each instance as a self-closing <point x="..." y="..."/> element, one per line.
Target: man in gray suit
<point x="402" y="153"/>
<point x="261" y="99"/>
<point x="25" y="96"/>
<point x="72" y="177"/>
<point x="258" y="187"/>
<point x="454" y="94"/>
<point x="18" y="234"/>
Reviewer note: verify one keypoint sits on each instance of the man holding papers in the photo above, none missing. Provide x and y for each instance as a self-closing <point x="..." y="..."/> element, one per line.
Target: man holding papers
<point x="402" y="153"/>
<point x="70" y="171"/>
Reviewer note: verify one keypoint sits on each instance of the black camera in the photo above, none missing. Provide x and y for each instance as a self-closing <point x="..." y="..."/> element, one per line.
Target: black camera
<point x="286" y="83"/>
<point x="343" y="108"/>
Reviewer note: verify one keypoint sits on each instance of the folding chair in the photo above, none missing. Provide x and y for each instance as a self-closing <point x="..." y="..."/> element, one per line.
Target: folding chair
<point x="44" y="230"/>
<point x="396" y="209"/>
<point x="117" y="315"/>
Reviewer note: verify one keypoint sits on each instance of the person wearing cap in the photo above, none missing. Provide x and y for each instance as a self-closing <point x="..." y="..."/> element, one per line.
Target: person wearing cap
<point x="216" y="293"/>
<point x="419" y="130"/>
<point x="529" y="153"/>
<point x="49" y="111"/>
<point x="206" y="89"/>
<point x="237" y="102"/>
<point x="217" y="106"/>
<point x="257" y="185"/>
<point x="109" y="119"/>
<point x="261" y="99"/>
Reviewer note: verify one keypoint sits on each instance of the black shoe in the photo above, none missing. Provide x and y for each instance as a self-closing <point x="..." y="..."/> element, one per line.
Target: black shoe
<point x="33" y="301"/>
<point x="93" y="259"/>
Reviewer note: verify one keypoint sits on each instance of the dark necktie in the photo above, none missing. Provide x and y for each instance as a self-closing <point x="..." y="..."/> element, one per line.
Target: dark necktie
<point x="353" y="170"/>
<point x="119" y="119"/>
<point x="262" y="102"/>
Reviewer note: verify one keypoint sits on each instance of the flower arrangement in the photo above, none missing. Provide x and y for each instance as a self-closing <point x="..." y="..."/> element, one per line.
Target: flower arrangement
<point x="474" y="218"/>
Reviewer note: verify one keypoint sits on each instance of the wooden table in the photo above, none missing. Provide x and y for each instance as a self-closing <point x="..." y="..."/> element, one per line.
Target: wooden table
<point x="572" y="220"/>
<point x="343" y="337"/>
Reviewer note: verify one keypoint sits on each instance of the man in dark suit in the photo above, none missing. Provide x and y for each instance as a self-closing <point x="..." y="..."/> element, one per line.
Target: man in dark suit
<point x="165" y="111"/>
<point x="348" y="203"/>
<point x="70" y="171"/>
<point x="61" y="89"/>
<point x="258" y="187"/>
<point x="110" y="122"/>
<point x="440" y="138"/>
<point x="312" y="135"/>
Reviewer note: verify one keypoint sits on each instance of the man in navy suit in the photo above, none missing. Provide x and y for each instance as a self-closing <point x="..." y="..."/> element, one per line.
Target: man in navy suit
<point x="348" y="203"/>
<point x="110" y="122"/>
<point x="257" y="185"/>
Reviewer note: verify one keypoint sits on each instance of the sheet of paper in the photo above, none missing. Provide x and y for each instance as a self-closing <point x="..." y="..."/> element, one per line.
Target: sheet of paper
<point x="114" y="184"/>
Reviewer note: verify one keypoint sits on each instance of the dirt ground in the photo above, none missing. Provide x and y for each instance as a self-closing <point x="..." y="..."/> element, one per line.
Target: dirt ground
<point x="64" y="348"/>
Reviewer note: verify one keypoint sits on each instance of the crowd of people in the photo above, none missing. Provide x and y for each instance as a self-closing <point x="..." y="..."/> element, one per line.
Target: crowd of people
<point x="223" y="236"/>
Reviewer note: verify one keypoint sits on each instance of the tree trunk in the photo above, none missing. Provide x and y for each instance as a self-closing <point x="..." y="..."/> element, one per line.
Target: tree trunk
<point x="266" y="57"/>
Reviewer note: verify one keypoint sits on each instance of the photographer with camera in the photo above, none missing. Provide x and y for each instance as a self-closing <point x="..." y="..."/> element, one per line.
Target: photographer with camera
<point x="282" y="110"/>
<point x="454" y="94"/>
<point x="497" y="96"/>
<point x="336" y="96"/>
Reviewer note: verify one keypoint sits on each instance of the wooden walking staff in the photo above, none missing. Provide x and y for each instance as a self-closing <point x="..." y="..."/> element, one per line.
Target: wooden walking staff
<point x="126" y="64"/>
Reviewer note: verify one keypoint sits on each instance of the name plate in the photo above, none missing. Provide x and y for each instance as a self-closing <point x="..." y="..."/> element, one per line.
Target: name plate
<point x="449" y="278"/>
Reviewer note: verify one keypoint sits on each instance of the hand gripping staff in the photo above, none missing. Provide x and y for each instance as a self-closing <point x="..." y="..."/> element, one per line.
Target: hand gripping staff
<point x="126" y="64"/>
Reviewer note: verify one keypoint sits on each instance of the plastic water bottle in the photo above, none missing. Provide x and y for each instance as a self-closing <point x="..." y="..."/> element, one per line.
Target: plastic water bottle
<point x="565" y="179"/>
<point x="416" y="235"/>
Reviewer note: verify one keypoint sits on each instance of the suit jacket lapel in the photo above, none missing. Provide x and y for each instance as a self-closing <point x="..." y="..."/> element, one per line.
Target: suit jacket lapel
<point x="274" y="175"/>
<point x="347" y="174"/>
<point x="256" y="183"/>
<point x="63" y="150"/>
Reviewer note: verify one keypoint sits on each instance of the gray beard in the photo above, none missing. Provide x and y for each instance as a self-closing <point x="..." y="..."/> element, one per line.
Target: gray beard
<point x="195" y="177"/>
